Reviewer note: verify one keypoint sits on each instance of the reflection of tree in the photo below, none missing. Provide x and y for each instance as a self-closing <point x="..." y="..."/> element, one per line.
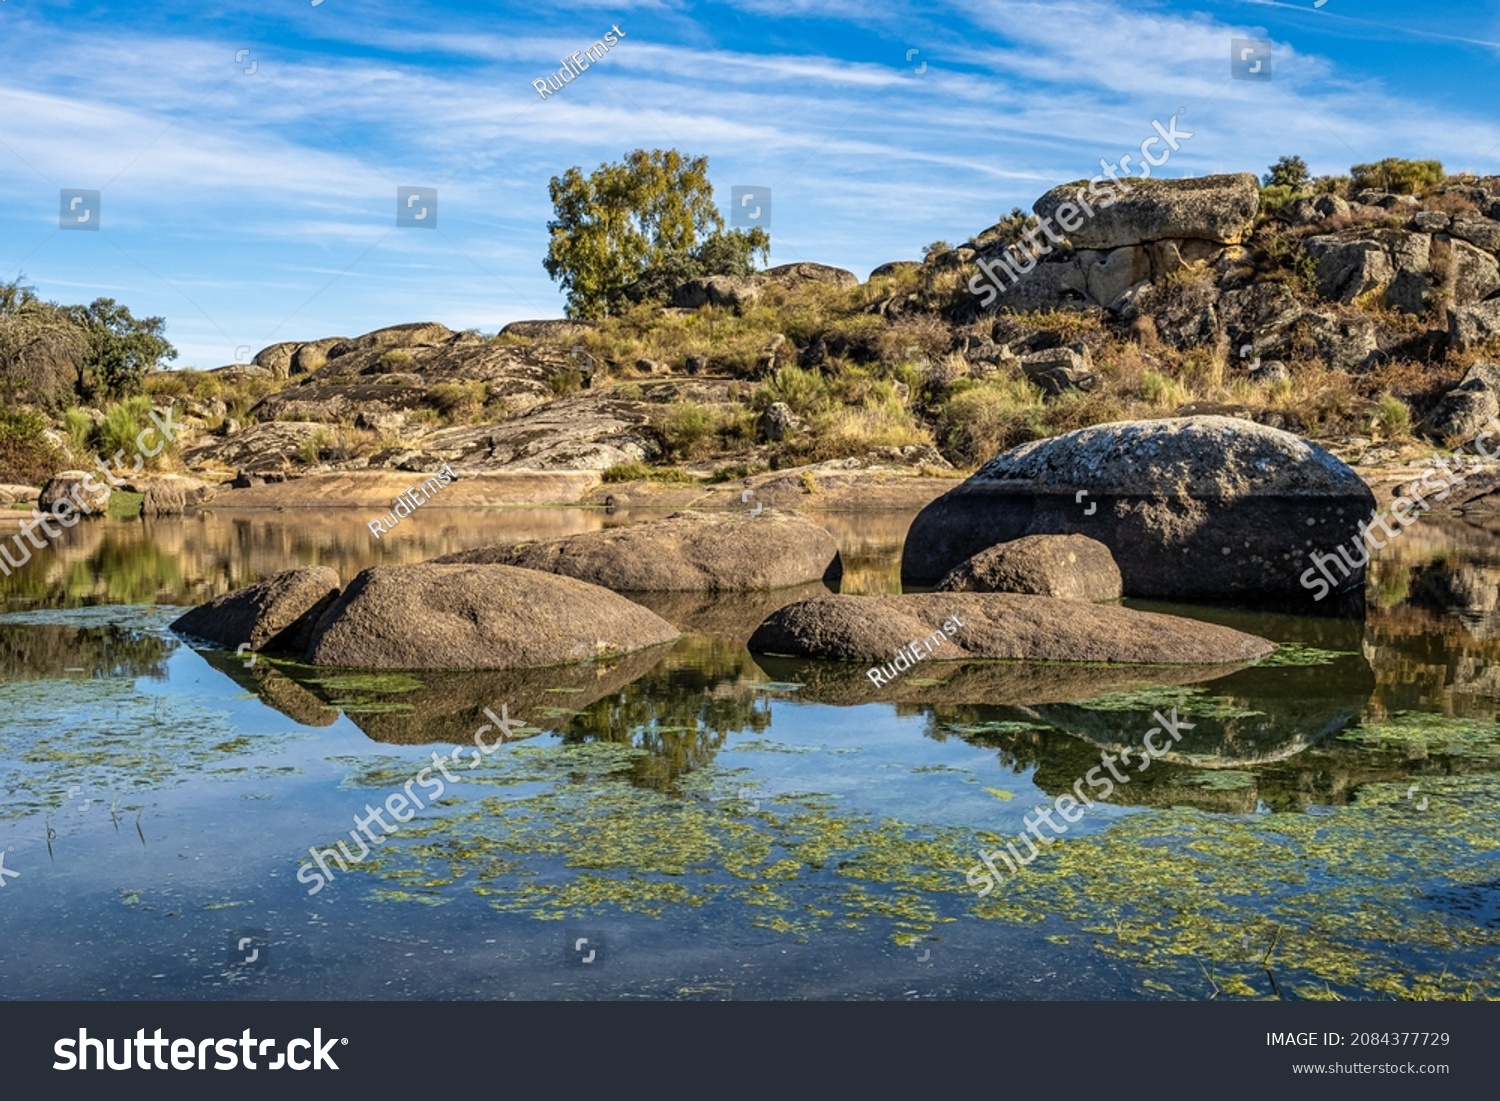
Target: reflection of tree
<point x="680" y="713"/>
<point x="36" y="652"/>
<point x="138" y="572"/>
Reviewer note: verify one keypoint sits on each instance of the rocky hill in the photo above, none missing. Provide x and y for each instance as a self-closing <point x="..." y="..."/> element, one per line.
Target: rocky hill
<point x="1359" y="319"/>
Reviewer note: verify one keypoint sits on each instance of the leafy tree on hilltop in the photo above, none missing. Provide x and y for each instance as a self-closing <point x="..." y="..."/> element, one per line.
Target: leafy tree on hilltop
<point x="1290" y="172"/>
<point x="122" y="348"/>
<point x="635" y="229"/>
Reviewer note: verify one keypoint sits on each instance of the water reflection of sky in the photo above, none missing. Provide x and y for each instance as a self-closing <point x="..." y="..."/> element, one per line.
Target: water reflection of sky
<point x="206" y="782"/>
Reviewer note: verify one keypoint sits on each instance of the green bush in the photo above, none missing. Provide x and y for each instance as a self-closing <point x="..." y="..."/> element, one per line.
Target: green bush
<point x="640" y="472"/>
<point x="80" y="429"/>
<point x="685" y="428"/>
<point x="978" y="423"/>
<point x="805" y="392"/>
<point x="27" y="457"/>
<point x="564" y="383"/>
<point x="1288" y="172"/>
<point x="458" y="399"/>
<point x="1394" y="174"/>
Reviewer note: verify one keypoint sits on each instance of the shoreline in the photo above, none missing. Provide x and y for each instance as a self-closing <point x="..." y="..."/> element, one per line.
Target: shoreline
<point x="832" y="490"/>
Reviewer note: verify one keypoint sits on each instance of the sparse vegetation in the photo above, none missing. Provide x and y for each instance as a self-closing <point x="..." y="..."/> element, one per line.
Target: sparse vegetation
<point x="27" y="457"/>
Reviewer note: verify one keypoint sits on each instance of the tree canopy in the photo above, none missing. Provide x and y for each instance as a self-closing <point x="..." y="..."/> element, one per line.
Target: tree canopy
<point x="635" y="229"/>
<point x="53" y="355"/>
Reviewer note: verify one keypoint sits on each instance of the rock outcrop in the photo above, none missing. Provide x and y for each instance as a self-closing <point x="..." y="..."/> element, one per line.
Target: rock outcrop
<point x="685" y="552"/>
<point x="277" y="614"/>
<point x="433" y="616"/>
<point x="1068" y="567"/>
<point x="996" y="626"/>
<point x="70" y="485"/>
<point x="1158" y="228"/>
<point x="1195" y="507"/>
<point x="173" y="494"/>
<point x="1466" y="410"/>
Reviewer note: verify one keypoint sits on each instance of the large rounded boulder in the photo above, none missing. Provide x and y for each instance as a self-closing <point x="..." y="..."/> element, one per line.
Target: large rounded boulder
<point x="998" y="626"/>
<point x="1069" y="567"/>
<point x="685" y="552"/>
<point x="86" y="492"/>
<point x="430" y="616"/>
<point x="1197" y="508"/>
<point x="275" y="614"/>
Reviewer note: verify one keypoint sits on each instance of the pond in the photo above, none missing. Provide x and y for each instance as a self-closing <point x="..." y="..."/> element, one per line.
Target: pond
<point x="697" y="822"/>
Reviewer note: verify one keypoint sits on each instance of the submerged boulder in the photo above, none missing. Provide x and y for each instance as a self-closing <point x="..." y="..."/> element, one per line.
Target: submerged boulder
<point x="1204" y="507"/>
<point x="431" y="616"/>
<point x="275" y="614"/>
<point x="685" y="552"/>
<point x="997" y="626"/>
<point x="1069" y="567"/>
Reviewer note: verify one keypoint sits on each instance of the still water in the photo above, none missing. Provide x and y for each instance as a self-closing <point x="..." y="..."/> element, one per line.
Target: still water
<point x="696" y="822"/>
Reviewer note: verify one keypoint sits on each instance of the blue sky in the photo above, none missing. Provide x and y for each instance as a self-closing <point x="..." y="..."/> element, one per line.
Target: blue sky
<point x="250" y="208"/>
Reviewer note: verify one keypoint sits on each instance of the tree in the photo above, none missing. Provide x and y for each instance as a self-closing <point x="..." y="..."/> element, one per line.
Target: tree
<point x="652" y="213"/>
<point x="53" y="356"/>
<point x="1289" y="172"/>
<point x="122" y="348"/>
<point x="42" y="351"/>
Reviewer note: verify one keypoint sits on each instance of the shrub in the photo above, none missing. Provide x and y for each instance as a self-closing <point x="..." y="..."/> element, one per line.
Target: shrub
<point x="390" y="362"/>
<point x="1394" y="174"/>
<point x="79" y="427"/>
<point x="1275" y="196"/>
<point x="457" y="400"/>
<point x="979" y="422"/>
<point x="1289" y="172"/>
<point x="640" y="472"/>
<point x="685" y="428"/>
<point x="1161" y="389"/>
<point x="26" y="455"/>
<point x="809" y="483"/>
<point x="805" y="392"/>
<point x="1392" y="417"/>
<point x="565" y="382"/>
<point x="312" y="448"/>
<point x="122" y="423"/>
